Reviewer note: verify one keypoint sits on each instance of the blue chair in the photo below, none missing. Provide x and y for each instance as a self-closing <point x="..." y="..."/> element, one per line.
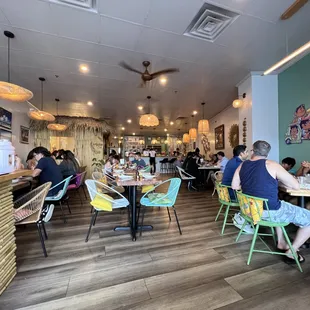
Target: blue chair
<point x="59" y="198"/>
<point x="163" y="200"/>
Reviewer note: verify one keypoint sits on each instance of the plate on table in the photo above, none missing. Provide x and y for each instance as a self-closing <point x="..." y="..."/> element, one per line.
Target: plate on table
<point x="118" y="171"/>
<point x="148" y="176"/>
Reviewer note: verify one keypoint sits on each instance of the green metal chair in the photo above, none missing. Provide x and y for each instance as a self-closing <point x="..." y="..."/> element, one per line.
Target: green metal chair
<point x="252" y="210"/>
<point x="226" y="202"/>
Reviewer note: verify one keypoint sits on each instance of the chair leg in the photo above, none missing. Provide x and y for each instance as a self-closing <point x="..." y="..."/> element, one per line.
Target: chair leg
<point x="67" y="202"/>
<point x="78" y="190"/>
<point x="176" y="217"/>
<point x="273" y="236"/>
<point x="62" y="211"/>
<point x="253" y="244"/>
<point x="214" y="190"/>
<point x="44" y="230"/>
<point x="169" y="214"/>
<point x="241" y="230"/>
<point x="91" y="224"/>
<point x="84" y="191"/>
<point x="291" y="248"/>
<point x="91" y="209"/>
<point x="218" y="213"/>
<point x="225" y="220"/>
<point x="128" y="214"/>
<point x="42" y="240"/>
<point x="96" y="212"/>
<point x="142" y="219"/>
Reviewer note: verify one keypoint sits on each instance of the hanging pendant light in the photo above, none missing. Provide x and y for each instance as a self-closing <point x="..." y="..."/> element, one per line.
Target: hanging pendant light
<point x="203" y="124"/>
<point x="238" y="103"/>
<point x="56" y="126"/>
<point x="149" y="120"/>
<point x="186" y="138"/>
<point x="9" y="91"/>
<point x="193" y="131"/>
<point x="40" y="115"/>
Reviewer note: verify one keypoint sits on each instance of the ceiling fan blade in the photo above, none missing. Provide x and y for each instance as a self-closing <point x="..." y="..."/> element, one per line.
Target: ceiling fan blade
<point x="294" y="8"/>
<point x="127" y="67"/>
<point x="165" y="71"/>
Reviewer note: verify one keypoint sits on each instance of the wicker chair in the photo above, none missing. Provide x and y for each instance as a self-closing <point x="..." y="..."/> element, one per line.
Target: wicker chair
<point x="28" y="210"/>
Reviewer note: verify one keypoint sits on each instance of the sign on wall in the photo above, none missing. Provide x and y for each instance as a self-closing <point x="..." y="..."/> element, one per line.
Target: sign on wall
<point x="299" y="129"/>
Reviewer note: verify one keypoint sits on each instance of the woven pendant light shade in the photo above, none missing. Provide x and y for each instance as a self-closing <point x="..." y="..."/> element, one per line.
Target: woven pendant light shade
<point x="186" y="138"/>
<point x="57" y="127"/>
<point x="39" y="115"/>
<point x="203" y="126"/>
<point x="9" y="91"/>
<point x="12" y="92"/>
<point x="193" y="133"/>
<point x="149" y="120"/>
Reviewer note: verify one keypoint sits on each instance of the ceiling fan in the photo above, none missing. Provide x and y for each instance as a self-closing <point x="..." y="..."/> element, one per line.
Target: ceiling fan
<point x="294" y="8"/>
<point x="146" y="76"/>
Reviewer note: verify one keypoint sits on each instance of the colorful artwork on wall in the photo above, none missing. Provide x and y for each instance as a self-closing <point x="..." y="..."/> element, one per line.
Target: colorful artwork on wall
<point x="299" y="129"/>
<point x="5" y="119"/>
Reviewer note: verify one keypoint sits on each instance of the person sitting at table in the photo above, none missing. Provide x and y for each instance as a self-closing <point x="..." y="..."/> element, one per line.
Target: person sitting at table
<point x="240" y="154"/>
<point x="259" y="177"/>
<point x="304" y="169"/>
<point x="213" y="159"/>
<point x="47" y="169"/>
<point x="222" y="160"/>
<point x="108" y="165"/>
<point x="68" y="166"/>
<point x="60" y="154"/>
<point x="31" y="161"/>
<point x="138" y="160"/>
<point x="178" y="162"/>
<point x="288" y="163"/>
<point x="186" y="160"/>
<point x="192" y="169"/>
<point x="18" y="163"/>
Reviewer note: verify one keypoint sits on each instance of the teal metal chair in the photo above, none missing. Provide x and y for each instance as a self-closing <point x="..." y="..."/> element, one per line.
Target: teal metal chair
<point x="60" y="197"/>
<point x="162" y="200"/>
<point x="252" y="210"/>
<point x="226" y="203"/>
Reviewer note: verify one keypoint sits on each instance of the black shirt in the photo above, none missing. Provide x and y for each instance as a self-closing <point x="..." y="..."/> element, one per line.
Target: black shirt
<point x="50" y="172"/>
<point x="67" y="168"/>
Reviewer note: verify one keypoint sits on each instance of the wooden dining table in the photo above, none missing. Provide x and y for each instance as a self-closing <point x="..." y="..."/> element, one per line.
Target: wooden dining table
<point x="132" y="185"/>
<point x="300" y="194"/>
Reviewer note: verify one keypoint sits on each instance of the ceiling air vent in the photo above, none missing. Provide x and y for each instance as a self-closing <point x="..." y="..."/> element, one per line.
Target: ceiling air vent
<point x="87" y="4"/>
<point x="210" y="22"/>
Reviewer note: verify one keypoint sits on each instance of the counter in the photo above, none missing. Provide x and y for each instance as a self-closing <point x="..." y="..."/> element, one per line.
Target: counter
<point x="147" y="160"/>
<point x="7" y="228"/>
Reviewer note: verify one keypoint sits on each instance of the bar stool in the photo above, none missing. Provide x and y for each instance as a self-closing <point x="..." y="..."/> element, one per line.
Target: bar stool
<point x="164" y="165"/>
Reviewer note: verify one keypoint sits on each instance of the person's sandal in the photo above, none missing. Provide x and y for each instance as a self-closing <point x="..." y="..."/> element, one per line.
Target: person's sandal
<point x="291" y="261"/>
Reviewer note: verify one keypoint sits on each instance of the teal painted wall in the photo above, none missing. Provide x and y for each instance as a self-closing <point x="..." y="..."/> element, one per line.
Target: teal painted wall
<point x="294" y="90"/>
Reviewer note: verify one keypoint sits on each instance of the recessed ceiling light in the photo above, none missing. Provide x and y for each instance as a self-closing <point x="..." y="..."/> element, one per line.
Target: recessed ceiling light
<point x="163" y="81"/>
<point x="123" y="128"/>
<point x="166" y="129"/>
<point x="115" y="137"/>
<point x="167" y="134"/>
<point x="121" y="137"/>
<point x="133" y="133"/>
<point x="84" y="68"/>
<point x="195" y="112"/>
<point x="129" y="121"/>
<point x="140" y="107"/>
<point x="89" y="103"/>
<point x="171" y="123"/>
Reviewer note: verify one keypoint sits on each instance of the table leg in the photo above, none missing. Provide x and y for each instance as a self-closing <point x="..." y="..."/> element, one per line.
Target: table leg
<point x="301" y="201"/>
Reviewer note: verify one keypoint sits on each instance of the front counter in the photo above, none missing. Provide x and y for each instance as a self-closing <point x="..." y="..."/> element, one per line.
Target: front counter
<point x="147" y="160"/>
<point x="7" y="228"/>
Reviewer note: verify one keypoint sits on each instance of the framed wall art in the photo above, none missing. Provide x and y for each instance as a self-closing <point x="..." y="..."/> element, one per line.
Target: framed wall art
<point x="219" y="137"/>
<point x="24" y="135"/>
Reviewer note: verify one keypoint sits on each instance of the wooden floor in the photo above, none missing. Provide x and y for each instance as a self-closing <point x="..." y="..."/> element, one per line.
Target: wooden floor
<point x="161" y="270"/>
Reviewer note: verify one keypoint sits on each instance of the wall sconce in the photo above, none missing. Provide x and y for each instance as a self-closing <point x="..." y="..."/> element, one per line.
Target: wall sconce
<point x="238" y="103"/>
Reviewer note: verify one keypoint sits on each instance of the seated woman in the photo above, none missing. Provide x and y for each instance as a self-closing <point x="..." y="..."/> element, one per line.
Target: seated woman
<point x="68" y="166"/>
<point x="47" y="169"/>
<point x="31" y="161"/>
<point x="304" y="169"/>
<point x="108" y="164"/>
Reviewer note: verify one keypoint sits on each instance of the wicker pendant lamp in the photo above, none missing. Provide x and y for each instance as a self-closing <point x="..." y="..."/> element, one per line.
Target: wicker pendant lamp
<point x="203" y="124"/>
<point x="186" y="138"/>
<point x="9" y="91"/>
<point x="193" y="131"/>
<point x="149" y="120"/>
<point x="55" y="126"/>
<point x="40" y="115"/>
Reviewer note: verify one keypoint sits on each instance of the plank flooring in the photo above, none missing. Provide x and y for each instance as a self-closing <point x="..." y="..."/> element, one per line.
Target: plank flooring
<point x="161" y="270"/>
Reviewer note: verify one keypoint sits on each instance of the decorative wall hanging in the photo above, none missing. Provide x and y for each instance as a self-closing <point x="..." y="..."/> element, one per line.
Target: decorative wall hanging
<point x="299" y="129"/>
<point x="5" y="119"/>
<point x="205" y="143"/>
<point x="233" y="136"/>
<point x="244" y="129"/>
<point x="24" y="135"/>
<point x="219" y="137"/>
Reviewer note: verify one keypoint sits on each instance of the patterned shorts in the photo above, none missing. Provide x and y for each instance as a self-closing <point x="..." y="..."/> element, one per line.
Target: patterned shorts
<point x="289" y="213"/>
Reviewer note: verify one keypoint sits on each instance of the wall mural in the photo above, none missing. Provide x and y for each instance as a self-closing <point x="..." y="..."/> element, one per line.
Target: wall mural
<point x="299" y="129"/>
<point x="234" y="135"/>
<point x="219" y="137"/>
<point x="206" y="144"/>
